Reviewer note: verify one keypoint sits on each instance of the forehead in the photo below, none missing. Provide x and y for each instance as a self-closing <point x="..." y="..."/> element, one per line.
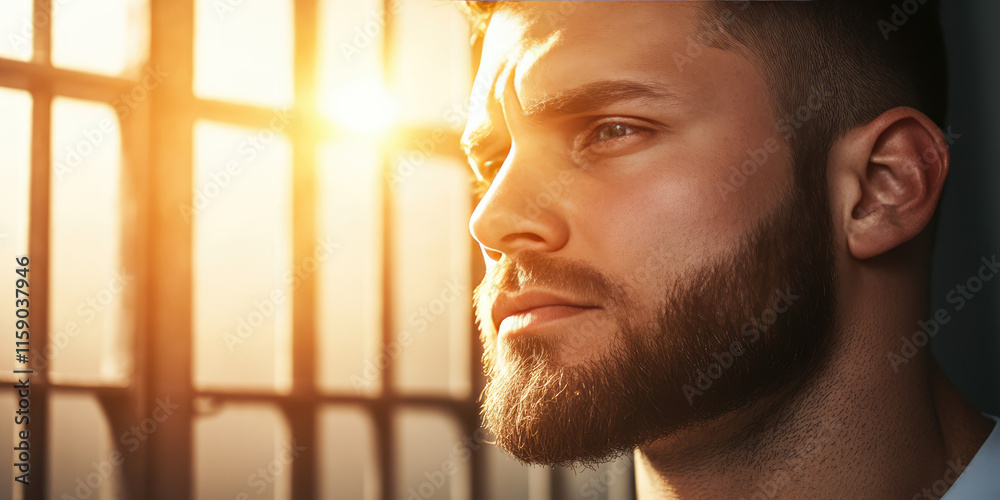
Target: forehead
<point x="542" y="48"/>
<point x="570" y="41"/>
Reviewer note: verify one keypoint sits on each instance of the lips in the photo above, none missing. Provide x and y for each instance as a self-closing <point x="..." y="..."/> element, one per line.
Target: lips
<point x="536" y="303"/>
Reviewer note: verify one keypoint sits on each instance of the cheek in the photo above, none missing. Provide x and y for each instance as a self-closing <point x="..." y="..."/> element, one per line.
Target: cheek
<point x="651" y="225"/>
<point x="656" y="223"/>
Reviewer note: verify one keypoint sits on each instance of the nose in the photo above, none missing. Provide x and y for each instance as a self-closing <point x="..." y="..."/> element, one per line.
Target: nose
<point x="522" y="210"/>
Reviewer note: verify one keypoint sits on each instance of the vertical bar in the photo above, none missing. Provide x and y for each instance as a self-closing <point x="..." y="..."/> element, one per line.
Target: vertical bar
<point x="134" y="191"/>
<point x="382" y="421"/>
<point x="38" y="251"/>
<point x="385" y="412"/>
<point x="303" y="414"/>
<point x="557" y="483"/>
<point x="170" y="257"/>
<point x="540" y="483"/>
<point x="42" y="26"/>
<point x="477" y="461"/>
<point x="476" y="375"/>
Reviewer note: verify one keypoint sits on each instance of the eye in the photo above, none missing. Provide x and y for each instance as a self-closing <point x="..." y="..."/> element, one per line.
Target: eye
<point x="612" y="131"/>
<point x="485" y="173"/>
<point x="610" y="137"/>
<point x="488" y="169"/>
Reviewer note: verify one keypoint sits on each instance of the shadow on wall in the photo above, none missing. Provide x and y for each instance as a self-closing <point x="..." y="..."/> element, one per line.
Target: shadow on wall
<point x="968" y="345"/>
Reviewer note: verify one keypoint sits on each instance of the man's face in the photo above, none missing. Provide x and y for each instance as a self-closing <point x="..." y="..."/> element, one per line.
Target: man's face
<point x="626" y="250"/>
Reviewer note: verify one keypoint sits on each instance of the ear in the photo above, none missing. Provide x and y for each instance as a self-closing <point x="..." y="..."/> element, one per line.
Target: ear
<point x="888" y="176"/>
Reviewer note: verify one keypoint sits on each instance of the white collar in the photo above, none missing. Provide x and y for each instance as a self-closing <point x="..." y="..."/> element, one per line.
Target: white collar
<point x="980" y="480"/>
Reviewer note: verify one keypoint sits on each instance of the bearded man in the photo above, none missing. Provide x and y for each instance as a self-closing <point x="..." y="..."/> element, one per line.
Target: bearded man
<point x="707" y="227"/>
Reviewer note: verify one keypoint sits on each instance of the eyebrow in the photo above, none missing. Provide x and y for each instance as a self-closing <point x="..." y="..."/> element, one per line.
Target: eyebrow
<point x="594" y="96"/>
<point x="476" y="138"/>
<point x="585" y="98"/>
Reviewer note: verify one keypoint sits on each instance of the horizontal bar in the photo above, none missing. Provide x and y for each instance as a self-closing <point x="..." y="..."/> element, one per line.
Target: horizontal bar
<point x="320" y="399"/>
<point x="27" y="75"/>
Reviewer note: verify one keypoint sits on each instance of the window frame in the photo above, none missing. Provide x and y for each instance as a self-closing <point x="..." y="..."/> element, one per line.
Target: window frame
<point x="157" y="178"/>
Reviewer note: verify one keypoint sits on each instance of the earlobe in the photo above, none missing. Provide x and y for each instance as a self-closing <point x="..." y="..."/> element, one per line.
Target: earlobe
<point x="899" y="162"/>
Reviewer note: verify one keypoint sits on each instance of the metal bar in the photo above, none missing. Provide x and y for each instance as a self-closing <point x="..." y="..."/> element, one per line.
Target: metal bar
<point x="125" y="407"/>
<point x="169" y="287"/>
<point x="303" y="417"/>
<point x="557" y="483"/>
<point x="409" y="401"/>
<point x="383" y="417"/>
<point x="244" y="114"/>
<point x="39" y="278"/>
<point x="476" y="377"/>
<point x="42" y="28"/>
<point x="21" y="75"/>
<point x="476" y="273"/>
<point x="38" y="251"/>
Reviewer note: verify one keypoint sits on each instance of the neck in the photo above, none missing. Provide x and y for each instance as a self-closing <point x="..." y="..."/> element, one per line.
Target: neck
<point x="865" y="422"/>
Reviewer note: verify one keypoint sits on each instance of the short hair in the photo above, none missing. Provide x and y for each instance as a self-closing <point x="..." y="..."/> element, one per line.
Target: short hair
<point x="872" y="55"/>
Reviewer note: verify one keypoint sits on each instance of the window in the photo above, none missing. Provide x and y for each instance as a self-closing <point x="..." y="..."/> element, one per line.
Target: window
<point x="250" y="268"/>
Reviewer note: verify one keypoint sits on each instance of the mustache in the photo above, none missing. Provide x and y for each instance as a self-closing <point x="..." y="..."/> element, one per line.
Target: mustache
<point x="535" y="270"/>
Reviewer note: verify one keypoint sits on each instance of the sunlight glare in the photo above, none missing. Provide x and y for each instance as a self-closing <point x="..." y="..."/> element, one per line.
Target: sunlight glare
<point x="362" y="105"/>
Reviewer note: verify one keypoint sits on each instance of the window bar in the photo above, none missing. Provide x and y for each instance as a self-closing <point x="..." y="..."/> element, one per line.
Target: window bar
<point x="38" y="250"/>
<point x="169" y="256"/>
<point x="127" y="406"/>
<point x="302" y="411"/>
<point x="42" y="33"/>
<point x="476" y="377"/>
<point x="477" y="270"/>
<point x="384" y="413"/>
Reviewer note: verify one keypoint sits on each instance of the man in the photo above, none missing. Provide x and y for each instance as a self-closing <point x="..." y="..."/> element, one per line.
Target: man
<point x="707" y="227"/>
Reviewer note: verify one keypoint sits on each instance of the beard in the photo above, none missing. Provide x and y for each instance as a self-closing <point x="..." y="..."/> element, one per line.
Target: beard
<point x="747" y="325"/>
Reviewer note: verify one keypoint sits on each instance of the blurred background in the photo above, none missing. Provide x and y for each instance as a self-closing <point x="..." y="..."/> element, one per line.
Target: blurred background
<point x="251" y="272"/>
